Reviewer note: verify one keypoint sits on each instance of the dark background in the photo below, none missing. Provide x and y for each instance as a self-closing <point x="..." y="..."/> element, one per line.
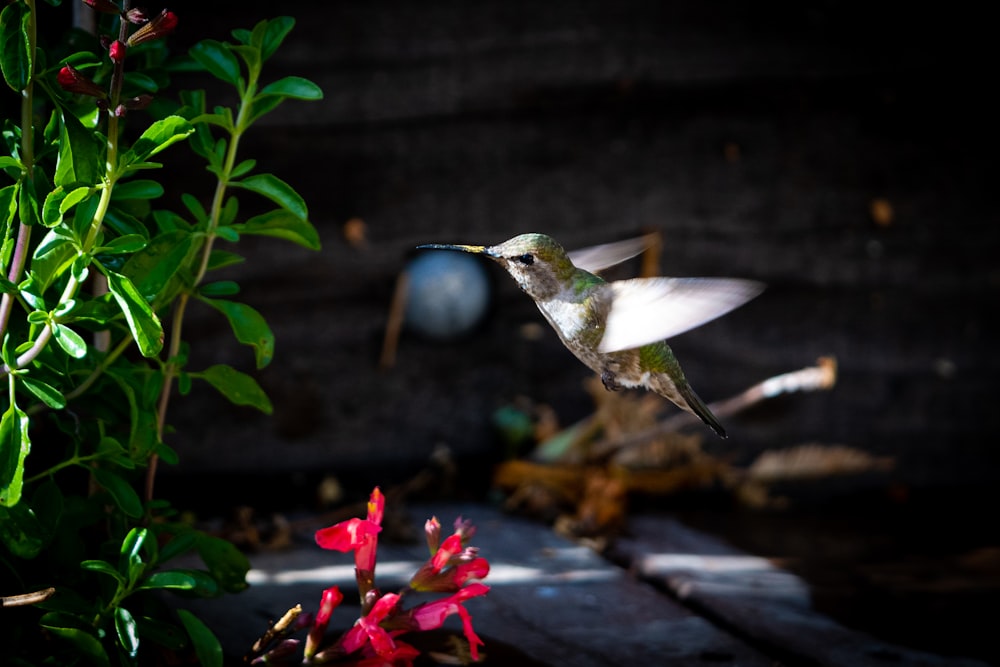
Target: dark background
<point x="754" y="139"/>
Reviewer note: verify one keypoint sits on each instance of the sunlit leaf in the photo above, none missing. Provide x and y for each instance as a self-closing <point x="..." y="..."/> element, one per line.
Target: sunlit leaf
<point x="282" y="224"/>
<point x="128" y="633"/>
<point x="249" y="327"/>
<point x="15" y="55"/>
<point x="81" y="153"/>
<point x="277" y="190"/>
<point x="14" y="447"/>
<point x="195" y="581"/>
<point x="239" y="388"/>
<point x="153" y="267"/>
<point x="137" y="189"/>
<point x="294" y="87"/>
<point x="48" y="394"/>
<point x="70" y="341"/>
<point x="142" y="321"/>
<point x="104" y="567"/>
<point x="157" y="137"/>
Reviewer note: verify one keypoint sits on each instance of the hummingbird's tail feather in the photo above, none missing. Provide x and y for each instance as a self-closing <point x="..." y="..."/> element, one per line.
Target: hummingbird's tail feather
<point x="678" y="391"/>
<point x="697" y="407"/>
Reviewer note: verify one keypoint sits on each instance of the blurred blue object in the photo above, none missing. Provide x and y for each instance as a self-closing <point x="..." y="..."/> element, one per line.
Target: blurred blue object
<point x="448" y="294"/>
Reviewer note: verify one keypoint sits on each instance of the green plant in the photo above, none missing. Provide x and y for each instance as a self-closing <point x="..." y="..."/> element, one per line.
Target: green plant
<point x="90" y="271"/>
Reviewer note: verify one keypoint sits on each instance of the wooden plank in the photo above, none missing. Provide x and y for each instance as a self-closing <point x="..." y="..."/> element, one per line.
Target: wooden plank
<point x="754" y="599"/>
<point x="556" y="602"/>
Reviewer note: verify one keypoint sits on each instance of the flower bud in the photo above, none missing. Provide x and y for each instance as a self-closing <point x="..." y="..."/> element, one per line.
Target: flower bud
<point x="163" y="24"/>
<point x="117" y="51"/>
<point x="72" y="81"/>
<point x="136" y="15"/>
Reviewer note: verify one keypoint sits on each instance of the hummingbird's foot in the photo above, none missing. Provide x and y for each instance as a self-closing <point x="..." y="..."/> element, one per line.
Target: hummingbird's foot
<point x="610" y="381"/>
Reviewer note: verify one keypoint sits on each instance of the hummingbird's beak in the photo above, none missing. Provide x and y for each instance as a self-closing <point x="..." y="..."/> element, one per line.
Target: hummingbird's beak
<point x="474" y="249"/>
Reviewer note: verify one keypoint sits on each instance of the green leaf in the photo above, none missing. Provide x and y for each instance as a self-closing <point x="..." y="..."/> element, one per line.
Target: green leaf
<point x="142" y="321"/>
<point x="128" y="633"/>
<point x="131" y="549"/>
<point x="70" y="341"/>
<point x="249" y="327"/>
<point x="59" y="201"/>
<point x="14" y="447"/>
<point x="180" y="543"/>
<point x="28" y="209"/>
<point x="124" y="223"/>
<point x="121" y="491"/>
<point x="20" y="531"/>
<point x="124" y="244"/>
<point x="263" y="104"/>
<point x="227" y="564"/>
<point x="85" y="643"/>
<point x="282" y="224"/>
<point x="165" y="634"/>
<point x="152" y="268"/>
<point x="81" y="153"/>
<point x="278" y="191"/>
<point x="243" y="168"/>
<point x="227" y="234"/>
<point x="44" y="392"/>
<point x="206" y="645"/>
<point x="137" y="189"/>
<point x="106" y="568"/>
<point x="157" y="137"/>
<point x="239" y="388"/>
<point x="294" y="87"/>
<point x="250" y="55"/>
<point x="7" y="161"/>
<point x="111" y="450"/>
<point x="15" y="54"/>
<point x="217" y="59"/>
<point x="274" y="34"/>
<point x="222" y="258"/>
<point x="220" y="288"/>
<point x="196" y="581"/>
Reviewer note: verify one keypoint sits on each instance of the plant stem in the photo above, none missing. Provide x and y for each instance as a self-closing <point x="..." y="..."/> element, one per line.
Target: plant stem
<point x="28" y="160"/>
<point x="180" y="307"/>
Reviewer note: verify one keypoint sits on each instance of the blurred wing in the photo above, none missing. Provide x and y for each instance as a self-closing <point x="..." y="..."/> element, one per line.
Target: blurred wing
<point x="647" y="310"/>
<point x="598" y="257"/>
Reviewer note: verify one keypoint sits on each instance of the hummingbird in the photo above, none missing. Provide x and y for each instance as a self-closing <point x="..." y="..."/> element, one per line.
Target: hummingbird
<point x="618" y="328"/>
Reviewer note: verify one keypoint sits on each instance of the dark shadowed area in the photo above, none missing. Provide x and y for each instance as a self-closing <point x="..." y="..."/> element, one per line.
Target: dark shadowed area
<point x="838" y="152"/>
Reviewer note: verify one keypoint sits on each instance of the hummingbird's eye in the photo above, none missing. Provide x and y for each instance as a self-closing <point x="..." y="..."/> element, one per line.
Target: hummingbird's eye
<point x="526" y="259"/>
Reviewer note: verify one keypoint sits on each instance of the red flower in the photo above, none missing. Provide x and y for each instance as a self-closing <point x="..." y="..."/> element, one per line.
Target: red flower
<point x="71" y="80"/>
<point x="359" y="535"/>
<point x="450" y="567"/>
<point x="431" y="615"/>
<point x="376" y="645"/>
<point x="162" y="25"/>
<point x="331" y="598"/>
<point x="117" y="51"/>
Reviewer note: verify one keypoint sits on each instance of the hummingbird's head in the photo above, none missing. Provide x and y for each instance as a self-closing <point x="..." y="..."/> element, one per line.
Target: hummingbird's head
<point x="536" y="261"/>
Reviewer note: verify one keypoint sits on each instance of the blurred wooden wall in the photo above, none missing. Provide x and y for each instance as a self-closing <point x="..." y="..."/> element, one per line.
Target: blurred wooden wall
<point x="836" y="151"/>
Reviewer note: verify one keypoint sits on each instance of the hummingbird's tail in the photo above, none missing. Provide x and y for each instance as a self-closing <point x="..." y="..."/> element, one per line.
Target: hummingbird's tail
<point x="697" y="407"/>
<point x="680" y="392"/>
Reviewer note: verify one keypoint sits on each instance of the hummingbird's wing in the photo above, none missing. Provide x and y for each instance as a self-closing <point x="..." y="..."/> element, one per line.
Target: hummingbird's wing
<point x="595" y="258"/>
<point x="647" y="310"/>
